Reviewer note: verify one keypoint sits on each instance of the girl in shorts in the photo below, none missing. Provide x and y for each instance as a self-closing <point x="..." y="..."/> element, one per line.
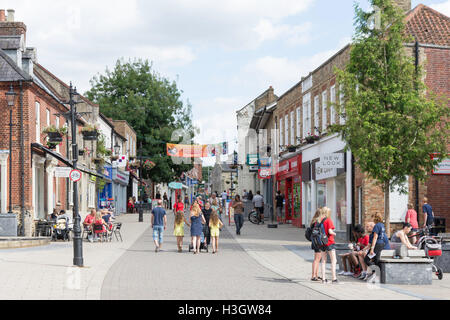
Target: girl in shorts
<point x="178" y="229"/>
<point x="215" y="225"/>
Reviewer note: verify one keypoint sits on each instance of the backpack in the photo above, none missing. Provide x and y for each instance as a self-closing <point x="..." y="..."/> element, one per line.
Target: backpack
<point x="308" y="234"/>
<point x="319" y="237"/>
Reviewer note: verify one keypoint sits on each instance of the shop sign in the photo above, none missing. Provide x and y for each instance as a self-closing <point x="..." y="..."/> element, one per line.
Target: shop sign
<point x="332" y="161"/>
<point x="265" y="173"/>
<point x="4" y="151"/>
<point x="443" y="168"/>
<point x="265" y="162"/>
<point x="252" y="159"/>
<point x="175" y="185"/>
<point x="121" y="177"/>
<point x="62" y="172"/>
<point x="253" y="168"/>
<point x="324" y="173"/>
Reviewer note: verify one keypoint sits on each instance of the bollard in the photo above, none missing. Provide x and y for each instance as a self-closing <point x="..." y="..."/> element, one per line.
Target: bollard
<point x="141" y="214"/>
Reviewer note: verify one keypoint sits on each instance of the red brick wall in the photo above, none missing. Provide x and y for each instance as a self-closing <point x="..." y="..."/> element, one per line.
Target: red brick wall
<point x="437" y="66"/>
<point x="31" y="95"/>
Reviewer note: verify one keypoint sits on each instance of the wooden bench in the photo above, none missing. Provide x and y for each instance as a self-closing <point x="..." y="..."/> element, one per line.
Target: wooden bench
<point x="403" y="266"/>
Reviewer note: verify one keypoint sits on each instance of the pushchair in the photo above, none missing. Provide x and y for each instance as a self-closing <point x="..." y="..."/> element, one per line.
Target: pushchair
<point x="203" y="245"/>
<point x="433" y="248"/>
<point x="60" y="230"/>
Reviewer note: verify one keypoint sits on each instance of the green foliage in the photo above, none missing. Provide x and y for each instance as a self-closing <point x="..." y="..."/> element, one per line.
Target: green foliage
<point x="50" y="129"/>
<point x="393" y="122"/>
<point x="102" y="151"/>
<point x="152" y="105"/>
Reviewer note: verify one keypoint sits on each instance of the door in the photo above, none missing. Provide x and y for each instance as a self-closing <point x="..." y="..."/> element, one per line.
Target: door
<point x="289" y="196"/>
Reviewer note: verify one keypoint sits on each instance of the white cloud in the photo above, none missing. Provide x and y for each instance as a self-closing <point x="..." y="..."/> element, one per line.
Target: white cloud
<point x="443" y="7"/>
<point x="294" y="35"/>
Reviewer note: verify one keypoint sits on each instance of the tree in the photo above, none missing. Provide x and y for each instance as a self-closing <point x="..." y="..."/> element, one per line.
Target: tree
<point x="152" y="105"/>
<point x="393" y="122"/>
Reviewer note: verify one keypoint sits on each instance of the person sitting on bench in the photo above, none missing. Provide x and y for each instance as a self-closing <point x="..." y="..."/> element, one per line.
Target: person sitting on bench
<point x="401" y="236"/>
<point x="350" y="260"/>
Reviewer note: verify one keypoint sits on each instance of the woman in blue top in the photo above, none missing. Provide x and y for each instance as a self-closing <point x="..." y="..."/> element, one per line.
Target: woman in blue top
<point x="379" y="241"/>
<point x="197" y="221"/>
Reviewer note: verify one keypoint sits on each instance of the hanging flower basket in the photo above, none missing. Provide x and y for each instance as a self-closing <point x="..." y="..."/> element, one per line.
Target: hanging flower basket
<point x="90" y="133"/>
<point x="52" y="145"/>
<point x="114" y="158"/>
<point x="98" y="160"/>
<point x="55" y="135"/>
<point x="134" y="165"/>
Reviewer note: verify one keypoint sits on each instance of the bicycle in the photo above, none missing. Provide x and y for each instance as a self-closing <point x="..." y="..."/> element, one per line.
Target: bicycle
<point x="432" y="246"/>
<point x="254" y="217"/>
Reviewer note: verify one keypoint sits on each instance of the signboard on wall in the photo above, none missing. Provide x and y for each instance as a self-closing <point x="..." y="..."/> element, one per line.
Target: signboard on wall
<point x="332" y="161"/>
<point x="265" y="173"/>
<point x="252" y="159"/>
<point x="62" y="172"/>
<point x="324" y="173"/>
<point x="443" y="168"/>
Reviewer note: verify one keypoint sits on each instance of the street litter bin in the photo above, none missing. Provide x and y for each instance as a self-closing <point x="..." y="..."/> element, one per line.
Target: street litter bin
<point x="341" y="248"/>
<point x="439" y="226"/>
<point x="443" y="261"/>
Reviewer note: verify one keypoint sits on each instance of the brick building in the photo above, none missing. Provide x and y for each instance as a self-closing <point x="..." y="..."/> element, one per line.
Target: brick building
<point x="304" y="111"/>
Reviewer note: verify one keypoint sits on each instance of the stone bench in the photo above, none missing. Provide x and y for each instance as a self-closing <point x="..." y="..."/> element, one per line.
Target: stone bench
<point x="403" y="266"/>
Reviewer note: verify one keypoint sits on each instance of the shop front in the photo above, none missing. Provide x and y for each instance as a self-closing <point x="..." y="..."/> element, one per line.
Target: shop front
<point x="328" y="186"/>
<point x="120" y="183"/>
<point x="105" y="196"/>
<point x="289" y="182"/>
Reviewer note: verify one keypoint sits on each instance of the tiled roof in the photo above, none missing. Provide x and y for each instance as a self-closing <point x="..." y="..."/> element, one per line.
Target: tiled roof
<point x="428" y="26"/>
<point x="9" y="71"/>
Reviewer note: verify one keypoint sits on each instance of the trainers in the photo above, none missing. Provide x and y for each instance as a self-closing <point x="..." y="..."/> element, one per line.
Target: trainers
<point x="342" y="273"/>
<point x="363" y="276"/>
<point x="348" y="274"/>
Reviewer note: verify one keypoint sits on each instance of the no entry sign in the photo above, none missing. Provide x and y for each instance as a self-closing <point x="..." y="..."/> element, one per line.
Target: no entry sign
<point x="75" y="175"/>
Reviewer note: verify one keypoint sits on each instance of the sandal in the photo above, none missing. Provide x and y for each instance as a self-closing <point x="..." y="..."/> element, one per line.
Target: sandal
<point x="315" y="279"/>
<point x="325" y="281"/>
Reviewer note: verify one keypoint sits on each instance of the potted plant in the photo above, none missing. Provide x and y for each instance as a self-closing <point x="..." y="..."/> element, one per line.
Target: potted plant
<point x="134" y="165"/>
<point x="55" y="134"/>
<point x="291" y="148"/>
<point x="311" y="138"/>
<point x="114" y="158"/>
<point x="52" y="145"/>
<point x="90" y="133"/>
<point x="98" y="160"/>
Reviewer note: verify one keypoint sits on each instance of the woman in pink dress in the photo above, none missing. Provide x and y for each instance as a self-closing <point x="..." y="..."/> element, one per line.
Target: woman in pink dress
<point x="411" y="218"/>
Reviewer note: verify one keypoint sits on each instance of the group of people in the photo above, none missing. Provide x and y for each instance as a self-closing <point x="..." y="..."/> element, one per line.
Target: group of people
<point x="369" y="242"/>
<point x="98" y="223"/>
<point x="205" y="223"/>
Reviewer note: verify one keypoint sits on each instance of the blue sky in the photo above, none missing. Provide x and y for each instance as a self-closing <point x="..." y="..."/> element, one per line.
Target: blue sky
<point x="222" y="53"/>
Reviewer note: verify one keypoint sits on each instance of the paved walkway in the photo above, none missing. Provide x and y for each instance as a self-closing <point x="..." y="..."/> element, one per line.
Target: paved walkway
<point x="286" y="252"/>
<point x="262" y="264"/>
<point x="47" y="272"/>
<point x="231" y="274"/>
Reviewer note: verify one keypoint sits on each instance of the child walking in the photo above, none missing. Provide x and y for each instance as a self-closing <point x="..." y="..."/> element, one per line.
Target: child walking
<point x="215" y="225"/>
<point x="178" y="229"/>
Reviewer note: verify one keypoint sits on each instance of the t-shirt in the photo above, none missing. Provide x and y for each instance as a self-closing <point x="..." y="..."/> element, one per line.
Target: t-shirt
<point x="363" y="242"/>
<point x="178" y="206"/>
<point x="279" y="200"/>
<point x="258" y="201"/>
<point x="159" y="214"/>
<point x="224" y="196"/>
<point x="412" y="216"/>
<point x="106" y="218"/>
<point x="382" y="236"/>
<point x="328" y="224"/>
<point x="429" y="211"/>
<point x="89" y="219"/>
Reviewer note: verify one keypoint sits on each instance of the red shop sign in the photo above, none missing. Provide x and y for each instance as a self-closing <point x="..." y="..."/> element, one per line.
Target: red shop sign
<point x="290" y="168"/>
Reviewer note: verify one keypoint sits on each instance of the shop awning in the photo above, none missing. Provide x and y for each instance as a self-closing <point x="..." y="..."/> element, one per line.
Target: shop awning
<point x="67" y="162"/>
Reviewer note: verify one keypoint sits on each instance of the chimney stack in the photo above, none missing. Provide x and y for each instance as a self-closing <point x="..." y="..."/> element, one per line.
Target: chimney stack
<point x="11" y="13"/>
<point x="405" y="5"/>
<point x="2" y="15"/>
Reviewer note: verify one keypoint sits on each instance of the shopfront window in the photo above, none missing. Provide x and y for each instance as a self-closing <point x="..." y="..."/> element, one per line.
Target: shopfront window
<point x="341" y="203"/>
<point x="321" y="194"/>
<point x="308" y="204"/>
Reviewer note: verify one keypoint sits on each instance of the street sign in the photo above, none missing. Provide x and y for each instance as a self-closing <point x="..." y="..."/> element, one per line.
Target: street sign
<point x="265" y="173"/>
<point x="252" y="159"/>
<point x="175" y="185"/>
<point x="332" y="161"/>
<point x="62" y="172"/>
<point x="75" y="175"/>
<point x="265" y="162"/>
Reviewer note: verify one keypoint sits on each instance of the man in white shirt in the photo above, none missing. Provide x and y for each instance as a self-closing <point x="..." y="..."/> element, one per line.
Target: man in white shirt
<point x="224" y="199"/>
<point x="258" y="203"/>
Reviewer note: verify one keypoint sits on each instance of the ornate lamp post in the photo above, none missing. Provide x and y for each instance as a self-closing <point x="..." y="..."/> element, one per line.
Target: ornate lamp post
<point x="11" y="99"/>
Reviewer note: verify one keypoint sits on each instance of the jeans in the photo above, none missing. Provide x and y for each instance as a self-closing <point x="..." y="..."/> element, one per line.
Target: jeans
<point x="158" y="233"/>
<point x="239" y="222"/>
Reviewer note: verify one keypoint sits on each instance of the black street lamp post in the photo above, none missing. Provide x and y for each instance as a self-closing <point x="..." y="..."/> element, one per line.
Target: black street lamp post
<point x="11" y="99"/>
<point x="77" y="239"/>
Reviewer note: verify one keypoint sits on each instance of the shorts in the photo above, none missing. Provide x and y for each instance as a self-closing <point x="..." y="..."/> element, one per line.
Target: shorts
<point x="315" y="249"/>
<point x="158" y="233"/>
<point x="329" y="248"/>
<point x="259" y="210"/>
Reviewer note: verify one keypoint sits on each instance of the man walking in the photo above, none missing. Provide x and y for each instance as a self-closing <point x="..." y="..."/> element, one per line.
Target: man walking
<point x="159" y="224"/>
<point x="279" y="199"/>
<point x="224" y="199"/>
<point x="428" y="214"/>
<point x="258" y="203"/>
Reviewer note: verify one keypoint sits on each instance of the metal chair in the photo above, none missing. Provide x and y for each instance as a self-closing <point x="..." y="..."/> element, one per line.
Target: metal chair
<point x="98" y="231"/>
<point x="116" y="231"/>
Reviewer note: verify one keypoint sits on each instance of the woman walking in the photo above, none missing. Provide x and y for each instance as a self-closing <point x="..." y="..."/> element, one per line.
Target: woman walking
<point x="178" y="229"/>
<point x="238" y="207"/>
<point x="197" y="221"/>
<point x="215" y="225"/>
<point x="317" y="219"/>
<point x="330" y="247"/>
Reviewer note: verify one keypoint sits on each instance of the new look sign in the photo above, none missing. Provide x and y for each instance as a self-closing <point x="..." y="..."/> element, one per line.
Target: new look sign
<point x="332" y="161"/>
